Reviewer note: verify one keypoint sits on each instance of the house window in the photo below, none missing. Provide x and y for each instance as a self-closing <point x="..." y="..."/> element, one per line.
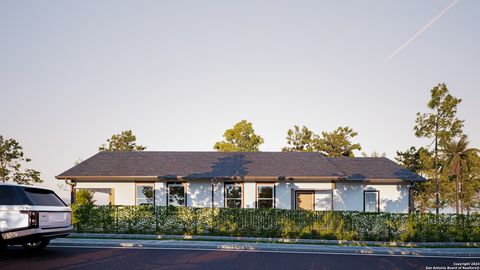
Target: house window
<point x="371" y="201"/>
<point x="265" y="196"/>
<point x="176" y="194"/>
<point x="145" y="194"/>
<point x="233" y="195"/>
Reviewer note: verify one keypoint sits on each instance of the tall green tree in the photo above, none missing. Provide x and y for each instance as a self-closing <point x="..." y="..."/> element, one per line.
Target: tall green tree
<point x="457" y="160"/>
<point x="240" y="138"/>
<point x="419" y="161"/>
<point x="300" y="140"/>
<point x="471" y="183"/>
<point x="332" y="144"/>
<point x="338" y="143"/>
<point x="125" y="141"/>
<point x="416" y="160"/>
<point x="440" y="124"/>
<point x="11" y="161"/>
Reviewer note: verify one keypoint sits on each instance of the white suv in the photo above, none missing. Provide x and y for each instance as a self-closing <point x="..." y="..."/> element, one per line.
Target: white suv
<point x="31" y="216"/>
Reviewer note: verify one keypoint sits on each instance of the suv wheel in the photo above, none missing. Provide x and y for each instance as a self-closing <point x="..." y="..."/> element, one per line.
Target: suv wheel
<point x="36" y="245"/>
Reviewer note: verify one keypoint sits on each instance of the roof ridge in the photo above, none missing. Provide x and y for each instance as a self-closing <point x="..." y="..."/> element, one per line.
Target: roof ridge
<point x="336" y="167"/>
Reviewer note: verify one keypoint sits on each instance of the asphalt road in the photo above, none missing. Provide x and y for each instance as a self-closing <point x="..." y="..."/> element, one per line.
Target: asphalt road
<point x="16" y="258"/>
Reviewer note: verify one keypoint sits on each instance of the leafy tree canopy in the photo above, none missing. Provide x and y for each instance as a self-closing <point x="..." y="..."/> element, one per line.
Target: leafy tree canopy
<point x="457" y="155"/>
<point x="84" y="197"/>
<point x="240" y="138"/>
<point x="300" y="140"/>
<point x="458" y="158"/>
<point x="11" y="161"/>
<point x="333" y="144"/>
<point x="338" y="143"/>
<point x="420" y="161"/>
<point x="441" y="122"/>
<point x="416" y="160"/>
<point x="125" y="141"/>
<point x="471" y="182"/>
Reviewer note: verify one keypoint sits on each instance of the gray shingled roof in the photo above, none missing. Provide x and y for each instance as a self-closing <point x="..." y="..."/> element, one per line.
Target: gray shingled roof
<point x="205" y="165"/>
<point x="362" y="168"/>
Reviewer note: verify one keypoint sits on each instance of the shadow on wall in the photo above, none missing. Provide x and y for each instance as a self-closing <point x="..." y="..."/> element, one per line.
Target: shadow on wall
<point x="349" y="196"/>
<point x="399" y="204"/>
<point x="323" y="200"/>
<point x="285" y="196"/>
<point x="199" y="194"/>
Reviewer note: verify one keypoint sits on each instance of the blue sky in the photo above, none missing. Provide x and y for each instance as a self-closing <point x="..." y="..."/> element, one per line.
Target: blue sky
<point x="178" y="73"/>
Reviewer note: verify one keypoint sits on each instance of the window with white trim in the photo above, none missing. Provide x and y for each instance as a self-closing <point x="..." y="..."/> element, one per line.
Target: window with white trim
<point x="145" y="194"/>
<point x="370" y="200"/>
<point x="233" y="195"/>
<point x="265" y="196"/>
<point x="176" y="194"/>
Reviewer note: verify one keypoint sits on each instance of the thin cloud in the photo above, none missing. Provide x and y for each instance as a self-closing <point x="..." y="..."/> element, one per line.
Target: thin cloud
<point x="423" y="29"/>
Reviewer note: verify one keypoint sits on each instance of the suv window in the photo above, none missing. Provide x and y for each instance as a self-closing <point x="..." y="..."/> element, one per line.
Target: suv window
<point x="43" y="197"/>
<point x="7" y="196"/>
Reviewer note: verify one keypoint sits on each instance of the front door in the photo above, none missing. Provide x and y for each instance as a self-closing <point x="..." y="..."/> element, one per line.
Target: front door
<point x="304" y="200"/>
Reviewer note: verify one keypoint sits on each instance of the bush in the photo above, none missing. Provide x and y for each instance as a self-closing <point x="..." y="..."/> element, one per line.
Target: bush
<point x="84" y="196"/>
<point x="276" y="223"/>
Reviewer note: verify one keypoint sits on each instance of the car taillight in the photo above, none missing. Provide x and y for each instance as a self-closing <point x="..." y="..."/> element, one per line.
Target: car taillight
<point x="32" y="218"/>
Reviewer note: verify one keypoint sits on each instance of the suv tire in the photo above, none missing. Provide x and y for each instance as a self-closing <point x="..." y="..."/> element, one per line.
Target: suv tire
<point x="36" y="246"/>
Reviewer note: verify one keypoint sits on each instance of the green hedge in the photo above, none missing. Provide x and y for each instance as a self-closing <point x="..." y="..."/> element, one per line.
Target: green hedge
<point x="276" y="223"/>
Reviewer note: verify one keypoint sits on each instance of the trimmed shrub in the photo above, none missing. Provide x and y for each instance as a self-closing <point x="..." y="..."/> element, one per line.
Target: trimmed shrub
<point x="276" y="223"/>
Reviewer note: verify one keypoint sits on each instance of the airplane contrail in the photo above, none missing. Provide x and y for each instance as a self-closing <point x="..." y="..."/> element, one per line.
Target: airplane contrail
<point x="423" y="29"/>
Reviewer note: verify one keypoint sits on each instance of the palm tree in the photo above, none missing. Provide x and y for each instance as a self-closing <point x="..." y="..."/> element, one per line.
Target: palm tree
<point x="457" y="156"/>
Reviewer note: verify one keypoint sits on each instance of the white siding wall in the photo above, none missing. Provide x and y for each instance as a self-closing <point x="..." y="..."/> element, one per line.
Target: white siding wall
<point x="219" y="194"/>
<point x="161" y="193"/>
<point x="284" y="194"/>
<point x="349" y="196"/>
<point x="323" y="200"/>
<point x="199" y="194"/>
<point x="124" y="191"/>
<point x="249" y="195"/>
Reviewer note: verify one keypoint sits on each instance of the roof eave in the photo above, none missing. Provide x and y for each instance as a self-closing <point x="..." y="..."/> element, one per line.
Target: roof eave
<point x="173" y="177"/>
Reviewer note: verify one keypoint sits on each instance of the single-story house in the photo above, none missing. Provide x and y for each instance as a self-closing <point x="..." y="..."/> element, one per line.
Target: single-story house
<point x="286" y="180"/>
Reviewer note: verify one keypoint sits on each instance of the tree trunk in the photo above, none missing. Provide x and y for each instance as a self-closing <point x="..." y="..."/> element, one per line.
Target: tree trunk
<point x="457" y="189"/>
<point x="461" y="194"/>
<point x="456" y="196"/>
<point x="435" y="162"/>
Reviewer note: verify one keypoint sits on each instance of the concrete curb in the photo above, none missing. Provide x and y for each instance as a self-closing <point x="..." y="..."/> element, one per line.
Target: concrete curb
<point x="274" y="240"/>
<point x="265" y="247"/>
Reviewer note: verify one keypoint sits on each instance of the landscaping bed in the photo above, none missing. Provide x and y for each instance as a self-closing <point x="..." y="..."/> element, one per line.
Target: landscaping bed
<point x="276" y="223"/>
